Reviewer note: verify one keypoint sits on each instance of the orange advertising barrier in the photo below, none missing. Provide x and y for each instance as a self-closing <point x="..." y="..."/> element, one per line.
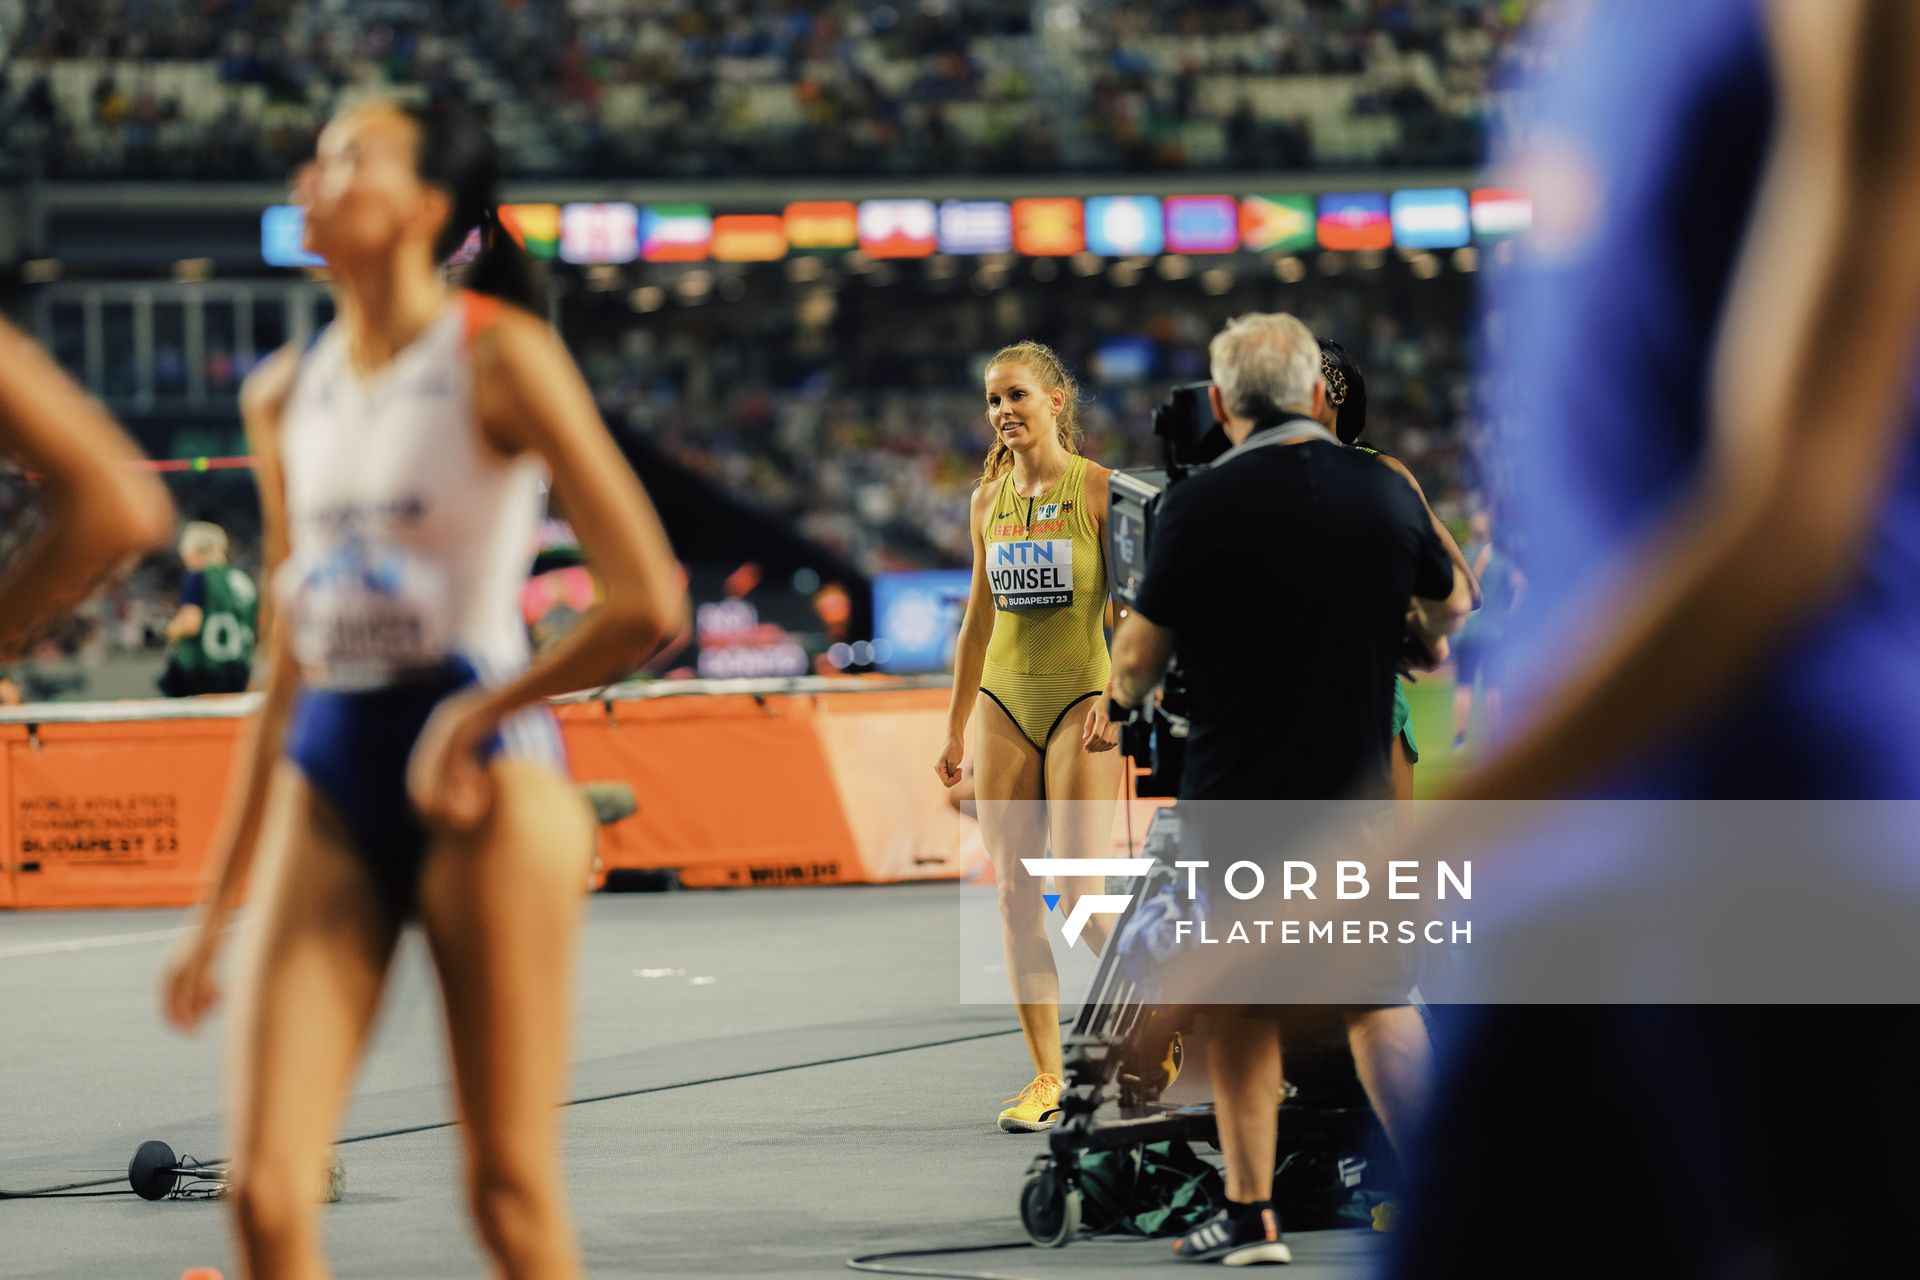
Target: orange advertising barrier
<point x="111" y="814"/>
<point x="738" y="783"/>
<point x="776" y="789"/>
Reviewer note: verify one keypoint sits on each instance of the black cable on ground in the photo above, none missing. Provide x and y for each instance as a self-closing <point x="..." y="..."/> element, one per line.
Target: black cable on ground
<point x="875" y="1263"/>
<point x="75" y="1189"/>
<point x="68" y="1191"/>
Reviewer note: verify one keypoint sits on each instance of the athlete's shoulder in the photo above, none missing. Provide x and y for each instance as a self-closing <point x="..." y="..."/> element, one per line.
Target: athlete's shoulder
<point x="502" y="335"/>
<point x="1384" y="470"/>
<point x="264" y="394"/>
<point x="520" y="371"/>
<point x="513" y="350"/>
<point x="981" y="500"/>
<point x="1093" y="490"/>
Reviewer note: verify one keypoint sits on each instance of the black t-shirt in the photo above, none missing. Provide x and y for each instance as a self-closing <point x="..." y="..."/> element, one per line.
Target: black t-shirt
<point x="1286" y="572"/>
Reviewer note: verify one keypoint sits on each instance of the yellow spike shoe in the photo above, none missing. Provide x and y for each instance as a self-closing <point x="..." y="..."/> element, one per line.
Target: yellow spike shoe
<point x="1035" y="1108"/>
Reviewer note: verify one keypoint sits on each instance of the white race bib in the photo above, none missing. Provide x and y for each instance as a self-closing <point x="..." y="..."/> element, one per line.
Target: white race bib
<point x="367" y="612"/>
<point x="1031" y="575"/>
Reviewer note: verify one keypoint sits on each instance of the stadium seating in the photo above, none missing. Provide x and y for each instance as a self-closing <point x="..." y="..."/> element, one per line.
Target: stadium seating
<point x="590" y="88"/>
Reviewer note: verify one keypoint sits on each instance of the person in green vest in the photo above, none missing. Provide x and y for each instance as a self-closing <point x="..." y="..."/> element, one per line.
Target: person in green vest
<point x="211" y="638"/>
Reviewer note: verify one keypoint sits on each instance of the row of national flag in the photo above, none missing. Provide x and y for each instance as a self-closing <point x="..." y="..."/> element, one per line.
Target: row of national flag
<point x="609" y="233"/>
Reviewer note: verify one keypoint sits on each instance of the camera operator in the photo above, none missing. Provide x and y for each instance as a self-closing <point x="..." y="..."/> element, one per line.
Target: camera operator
<point x="1289" y="575"/>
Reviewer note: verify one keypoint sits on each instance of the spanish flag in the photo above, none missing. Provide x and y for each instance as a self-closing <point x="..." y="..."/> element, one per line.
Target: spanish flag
<point x="822" y="225"/>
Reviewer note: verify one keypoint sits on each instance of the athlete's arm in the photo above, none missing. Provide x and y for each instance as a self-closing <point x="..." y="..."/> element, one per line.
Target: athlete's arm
<point x="189" y="617"/>
<point x="1141" y="650"/>
<point x="100" y="506"/>
<point x="187" y="622"/>
<point x="970" y="648"/>
<point x="529" y="398"/>
<point x="1097" y="731"/>
<point x="1434" y="620"/>
<point x="1798" y="458"/>
<point x="1454" y="553"/>
<point x="187" y="988"/>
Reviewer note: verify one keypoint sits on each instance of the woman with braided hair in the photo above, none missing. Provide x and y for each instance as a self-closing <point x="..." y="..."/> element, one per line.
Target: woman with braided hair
<point x="1345" y="414"/>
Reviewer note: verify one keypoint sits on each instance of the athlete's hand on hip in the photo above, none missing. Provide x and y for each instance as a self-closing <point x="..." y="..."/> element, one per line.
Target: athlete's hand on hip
<point x="187" y="988"/>
<point x="947" y="767"/>
<point x="445" y="779"/>
<point x="1099" y="733"/>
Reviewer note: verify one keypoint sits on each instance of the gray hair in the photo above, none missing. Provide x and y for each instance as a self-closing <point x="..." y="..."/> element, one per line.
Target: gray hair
<point x="1264" y="363"/>
<point x="201" y="536"/>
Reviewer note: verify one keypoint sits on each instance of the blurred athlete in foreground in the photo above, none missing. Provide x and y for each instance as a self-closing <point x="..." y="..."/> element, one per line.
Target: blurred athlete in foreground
<point x="99" y="506"/>
<point x="403" y="765"/>
<point x="1710" y="357"/>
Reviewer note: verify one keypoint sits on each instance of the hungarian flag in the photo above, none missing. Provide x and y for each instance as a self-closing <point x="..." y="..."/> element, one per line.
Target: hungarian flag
<point x="1500" y="213"/>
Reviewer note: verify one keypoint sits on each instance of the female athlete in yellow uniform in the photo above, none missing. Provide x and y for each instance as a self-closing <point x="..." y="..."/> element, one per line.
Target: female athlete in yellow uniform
<point x="1032" y="655"/>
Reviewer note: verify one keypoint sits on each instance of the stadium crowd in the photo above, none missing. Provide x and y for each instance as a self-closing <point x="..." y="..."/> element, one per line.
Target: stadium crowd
<point x="236" y="88"/>
<point x="867" y="431"/>
<point x="848" y="412"/>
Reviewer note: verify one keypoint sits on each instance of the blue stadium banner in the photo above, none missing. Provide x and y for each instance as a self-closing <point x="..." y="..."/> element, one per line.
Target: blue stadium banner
<point x="976" y="226"/>
<point x="916" y="616"/>
<point x="1123" y="226"/>
<point x="1431" y="219"/>
<point x="281" y="227"/>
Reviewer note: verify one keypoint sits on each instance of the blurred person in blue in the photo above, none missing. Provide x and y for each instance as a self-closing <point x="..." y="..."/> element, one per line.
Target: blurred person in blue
<point x="1476" y="650"/>
<point x="1707" y="351"/>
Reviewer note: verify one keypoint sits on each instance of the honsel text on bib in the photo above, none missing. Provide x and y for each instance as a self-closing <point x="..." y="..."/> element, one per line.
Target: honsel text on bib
<point x="1031" y="575"/>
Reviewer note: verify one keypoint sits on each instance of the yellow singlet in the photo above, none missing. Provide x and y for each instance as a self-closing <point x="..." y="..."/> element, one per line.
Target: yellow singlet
<point x="1048" y="572"/>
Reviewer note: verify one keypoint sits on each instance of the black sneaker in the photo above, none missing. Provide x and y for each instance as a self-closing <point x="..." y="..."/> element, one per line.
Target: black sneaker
<point x="1240" y="1235"/>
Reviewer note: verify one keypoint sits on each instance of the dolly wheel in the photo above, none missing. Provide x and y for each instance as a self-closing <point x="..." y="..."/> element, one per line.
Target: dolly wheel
<point x="1049" y="1208"/>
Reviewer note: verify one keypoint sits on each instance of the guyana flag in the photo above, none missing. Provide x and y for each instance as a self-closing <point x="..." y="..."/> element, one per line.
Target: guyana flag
<point x="1278" y="224"/>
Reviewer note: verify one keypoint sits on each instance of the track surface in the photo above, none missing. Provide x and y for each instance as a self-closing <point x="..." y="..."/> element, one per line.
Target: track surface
<point x="823" y="1155"/>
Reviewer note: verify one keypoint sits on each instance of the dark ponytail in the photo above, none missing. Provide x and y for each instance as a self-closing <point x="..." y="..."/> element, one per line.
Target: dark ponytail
<point x="1346" y="391"/>
<point x="457" y="155"/>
